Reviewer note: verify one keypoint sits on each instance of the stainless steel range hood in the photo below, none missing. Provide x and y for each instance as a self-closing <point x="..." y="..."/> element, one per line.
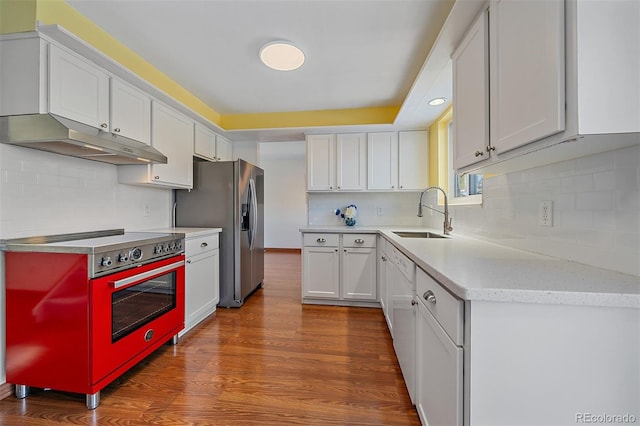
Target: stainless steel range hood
<point x="48" y="132"/>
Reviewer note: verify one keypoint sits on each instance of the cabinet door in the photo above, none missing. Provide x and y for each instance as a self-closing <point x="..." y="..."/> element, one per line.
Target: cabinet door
<point x="413" y="160"/>
<point x="438" y="373"/>
<point x="205" y="143"/>
<point x="321" y="273"/>
<point x="527" y="71"/>
<point x="471" y="96"/>
<point x="224" y="151"/>
<point x="130" y="112"/>
<point x="173" y="136"/>
<point x="320" y="162"/>
<point x="351" y="162"/>
<point x="202" y="287"/>
<point x="78" y="90"/>
<point x="359" y="273"/>
<point x="382" y="162"/>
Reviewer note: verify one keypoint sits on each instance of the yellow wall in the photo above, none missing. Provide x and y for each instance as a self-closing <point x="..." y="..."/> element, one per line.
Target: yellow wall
<point x="438" y="155"/>
<point x="21" y="15"/>
<point x="342" y="117"/>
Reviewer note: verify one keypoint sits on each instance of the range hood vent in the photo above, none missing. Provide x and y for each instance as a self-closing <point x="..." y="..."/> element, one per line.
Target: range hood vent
<point x="48" y="132"/>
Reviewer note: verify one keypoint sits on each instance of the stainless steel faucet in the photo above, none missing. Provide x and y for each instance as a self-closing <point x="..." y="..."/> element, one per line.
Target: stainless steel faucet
<point x="447" y="220"/>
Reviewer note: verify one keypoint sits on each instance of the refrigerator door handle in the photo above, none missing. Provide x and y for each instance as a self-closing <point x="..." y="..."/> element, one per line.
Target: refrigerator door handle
<point x="254" y="211"/>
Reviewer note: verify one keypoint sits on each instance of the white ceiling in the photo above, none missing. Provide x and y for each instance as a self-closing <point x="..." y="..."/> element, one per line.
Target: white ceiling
<point x="359" y="53"/>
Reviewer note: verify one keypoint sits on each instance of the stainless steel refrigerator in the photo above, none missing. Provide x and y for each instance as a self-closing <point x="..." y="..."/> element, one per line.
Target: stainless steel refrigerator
<point x="229" y="195"/>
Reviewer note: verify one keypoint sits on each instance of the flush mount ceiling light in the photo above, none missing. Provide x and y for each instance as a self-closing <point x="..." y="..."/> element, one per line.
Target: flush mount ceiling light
<point x="281" y="56"/>
<point x="437" y="101"/>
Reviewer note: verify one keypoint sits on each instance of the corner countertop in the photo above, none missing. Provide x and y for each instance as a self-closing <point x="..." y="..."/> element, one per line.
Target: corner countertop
<point x="473" y="269"/>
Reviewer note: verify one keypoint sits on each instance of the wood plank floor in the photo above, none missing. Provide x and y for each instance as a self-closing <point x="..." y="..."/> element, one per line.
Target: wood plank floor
<point x="273" y="361"/>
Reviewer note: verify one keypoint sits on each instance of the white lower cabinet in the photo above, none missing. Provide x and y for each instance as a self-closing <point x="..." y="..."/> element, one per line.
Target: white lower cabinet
<point x="384" y="269"/>
<point x="339" y="269"/>
<point x="202" y="277"/>
<point x="439" y="359"/>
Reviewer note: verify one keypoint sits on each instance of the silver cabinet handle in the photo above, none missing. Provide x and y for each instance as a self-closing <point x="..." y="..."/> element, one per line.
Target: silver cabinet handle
<point x="429" y="296"/>
<point x="384" y="259"/>
<point x="359" y="241"/>
<point x="491" y="148"/>
<point x="321" y="240"/>
<point x="204" y="244"/>
<point x="413" y="302"/>
<point x="479" y="153"/>
<point x="104" y="125"/>
<point x="117" y="130"/>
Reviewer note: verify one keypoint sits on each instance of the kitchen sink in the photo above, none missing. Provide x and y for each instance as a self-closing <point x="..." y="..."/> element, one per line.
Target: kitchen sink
<point x="418" y="234"/>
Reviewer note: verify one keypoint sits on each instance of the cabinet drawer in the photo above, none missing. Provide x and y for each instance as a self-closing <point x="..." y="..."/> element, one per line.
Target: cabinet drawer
<point x="201" y="244"/>
<point x="406" y="266"/>
<point x="446" y="308"/>
<point x="321" y="240"/>
<point x="358" y="240"/>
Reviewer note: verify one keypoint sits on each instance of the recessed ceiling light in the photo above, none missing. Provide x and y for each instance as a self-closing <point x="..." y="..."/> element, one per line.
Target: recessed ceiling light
<point x="437" y="101"/>
<point x="281" y="56"/>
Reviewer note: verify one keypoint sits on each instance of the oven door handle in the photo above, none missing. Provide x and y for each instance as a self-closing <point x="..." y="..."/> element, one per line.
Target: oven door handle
<point x="130" y="280"/>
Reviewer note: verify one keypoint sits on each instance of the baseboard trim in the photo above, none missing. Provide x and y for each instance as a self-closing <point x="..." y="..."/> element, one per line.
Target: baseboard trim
<point x="283" y="250"/>
<point x="6" y="390"/>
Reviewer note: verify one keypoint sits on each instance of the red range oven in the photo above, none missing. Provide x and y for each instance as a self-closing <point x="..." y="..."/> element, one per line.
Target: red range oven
<point x="81" y="309"/>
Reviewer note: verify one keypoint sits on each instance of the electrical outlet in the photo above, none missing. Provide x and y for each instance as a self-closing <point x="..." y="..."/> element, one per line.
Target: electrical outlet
<point x="379" y="210"/>
<point x="545" y="215"/>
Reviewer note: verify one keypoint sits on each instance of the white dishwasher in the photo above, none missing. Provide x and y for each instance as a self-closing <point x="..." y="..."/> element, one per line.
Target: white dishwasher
<point x="439" y="360"/>
<point x="403" y="316"/>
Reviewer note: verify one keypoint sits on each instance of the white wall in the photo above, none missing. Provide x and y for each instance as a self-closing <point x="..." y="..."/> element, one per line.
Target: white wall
<point x="285" y="207"/>
<point x="596" y="210"/>
<point x="247" y="151"/>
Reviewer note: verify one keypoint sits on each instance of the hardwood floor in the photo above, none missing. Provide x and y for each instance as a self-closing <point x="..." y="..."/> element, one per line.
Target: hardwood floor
<point x="273" y="361"/>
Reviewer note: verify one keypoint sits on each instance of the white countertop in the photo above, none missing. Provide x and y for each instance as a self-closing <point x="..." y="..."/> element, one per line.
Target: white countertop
<point x="478" y="270"/>
<point x="188" y="232"/>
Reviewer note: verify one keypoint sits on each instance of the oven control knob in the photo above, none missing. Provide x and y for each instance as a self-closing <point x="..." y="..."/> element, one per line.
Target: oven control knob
<point x="106" y="261"/>
<point x="123" y="258"/>
<point x="166" y="247"/>
<point x="157" y="250"/>
<point x="135" y="254"/>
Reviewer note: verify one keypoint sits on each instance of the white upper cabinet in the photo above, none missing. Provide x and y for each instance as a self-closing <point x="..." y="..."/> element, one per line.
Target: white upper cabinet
<point x="78" y="90"/>
<point x="413" y="160"/>
<point x="382" y="160"/>
<point x="336" y="162"/>
<point x="398" y="160"/>
<point x="471" y="95"/>
<point x="224" y="150"/>
<point x="173" y="135"/>
<point x="130" y="112"/>
<point x="560" y="71"/>
<point x="209" y="146"/>
<point x="204" y="145"/>
<point x="351" y="162"/>
<point x="321" y="162"/>
<point x="527" y="71"/>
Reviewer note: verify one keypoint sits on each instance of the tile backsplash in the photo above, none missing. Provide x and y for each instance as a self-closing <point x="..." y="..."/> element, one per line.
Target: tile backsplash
<point x="43" y="193"/>
<point x="374" y="208"/>
<point x="596" y="210"/>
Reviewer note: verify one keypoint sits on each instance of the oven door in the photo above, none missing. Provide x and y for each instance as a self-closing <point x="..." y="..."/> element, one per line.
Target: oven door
<point x="131" y="314"/>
